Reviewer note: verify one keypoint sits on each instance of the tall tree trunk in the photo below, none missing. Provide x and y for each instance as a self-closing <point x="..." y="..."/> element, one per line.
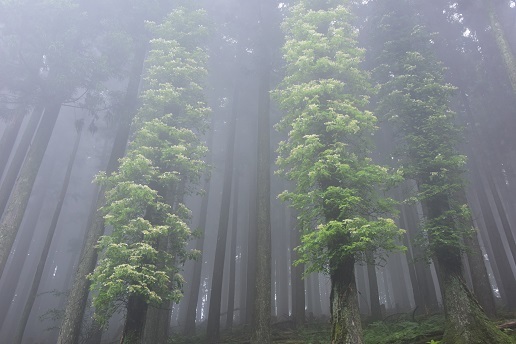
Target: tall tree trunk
<point x="78" y="298"/>
<point x="46" y="247"/>
<point x="232" y="258"/>
<point x="17" y="161"/>
<point x="282" y="278"/>
<point x="250" y="300"/>
<point x="262" y="320"/>
<point x="374" y="296"/>
<point x="213" y="326"/>
<point x="134" y="320"/>
<point x="503" y="45"/>
<point x="479" y="277"/>
<point x="346" y="327"/>
<point x="296" y="276"/>
<point x="15" y="208"/>
<point x="425" y="294"/>
<point x="465" y="321"/>
<point x="13" y="272"/>
<point x="189" y="329"/>
<point x="7" y="141"/>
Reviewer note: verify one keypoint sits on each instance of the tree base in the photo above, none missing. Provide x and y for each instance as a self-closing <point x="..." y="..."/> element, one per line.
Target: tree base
<point x="466" y="322"/>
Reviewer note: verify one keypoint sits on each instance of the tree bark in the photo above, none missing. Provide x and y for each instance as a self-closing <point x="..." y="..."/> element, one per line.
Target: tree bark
<point x="232" y="258"/>
<point x="466" y="323"/>
<point x="374" y="296"/>
<point x="296" y="277"/>
<point x="15" y="208"/>
<point x="189" y="329"/>
<point x="13" y="272"/>
<point x="503" y="45"/>
<point x="213" y="326"/>
<point x="17" y="161"/>
<point x="346" y="327"/>
<point x="8" y="140"/>
<point x="134" y="320"/>
<point x="262" y="319"/>
<point x="78" y="298"/>
<point x="46" y="248"/>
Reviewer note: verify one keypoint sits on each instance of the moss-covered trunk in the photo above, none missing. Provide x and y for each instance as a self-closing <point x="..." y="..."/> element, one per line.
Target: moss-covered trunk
<point x="346" y="327"/>
<point x="466" y="322"/>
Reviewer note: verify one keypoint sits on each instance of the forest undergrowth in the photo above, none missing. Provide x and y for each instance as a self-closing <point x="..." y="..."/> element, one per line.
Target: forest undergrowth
<point x="395" y="329"/>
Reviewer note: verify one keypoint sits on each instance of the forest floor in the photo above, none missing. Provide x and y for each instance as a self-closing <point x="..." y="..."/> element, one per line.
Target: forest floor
<point x="393" y="330"/>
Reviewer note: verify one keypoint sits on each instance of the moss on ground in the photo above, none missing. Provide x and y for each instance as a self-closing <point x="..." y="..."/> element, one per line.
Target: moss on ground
<point x="421" y="330"/>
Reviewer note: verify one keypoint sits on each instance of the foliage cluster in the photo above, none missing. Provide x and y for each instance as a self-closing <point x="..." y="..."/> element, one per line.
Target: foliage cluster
<point x="415" y="98"/>
<point x="144" y="252"/>
<point x="324" y="94"/>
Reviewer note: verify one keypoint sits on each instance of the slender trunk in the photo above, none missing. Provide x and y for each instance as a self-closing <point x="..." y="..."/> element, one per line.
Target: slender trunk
<point x="296" y="277"/>
<point x="213" y="326"/>
<point x="78" y="298"/>
<point x="46" y="248"/>
<point x="503" y="45"/>
<point x="425" y="294"/>
<point x="507" y="280"/>
<point x="232" y="259"/>
<point x="17" y="161"/>
<point x="189" y="329"/>
<point x="17" y="203"/>
<point x="13" y="272"/>
<point x="262" y="320"/>
<point x="8" y="140"/>
<point x="282" y="277"/>
<point x="502" y="215"/>
<point x="346" y="327"/>
<point x="376" y="311"/>
<point x="479" y="277"/>
<point x="316" y="294"/>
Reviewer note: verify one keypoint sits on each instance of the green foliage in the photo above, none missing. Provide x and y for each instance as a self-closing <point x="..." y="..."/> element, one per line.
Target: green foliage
<point x="415" y="98"/>
<point x="146" y="248"/>
<point x="325" y="91"/>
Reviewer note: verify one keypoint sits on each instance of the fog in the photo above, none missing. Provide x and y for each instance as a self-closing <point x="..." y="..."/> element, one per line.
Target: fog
<point x="98" y="72"/>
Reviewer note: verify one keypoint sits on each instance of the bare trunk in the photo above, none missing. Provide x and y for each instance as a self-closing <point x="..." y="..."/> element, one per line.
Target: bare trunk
<point x="376" y="311"/>
<point x="466" y="323"/>
<point x="503" y="45"/>
<point x="213" y="326"/>
<point x="346" y="327"/>
<point x="17" y="161"/>
<point x="15" y="208"/>
<point x="232" y="259"/>
<point x="296" y="276"/>
<point x="189" y="329"/>
<point x="262" y="320"/>
<point x="8" y="140"/>
<point x="78" y="298"/>
<point x="134" y="320"/>
<point x="46" y="248"/>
